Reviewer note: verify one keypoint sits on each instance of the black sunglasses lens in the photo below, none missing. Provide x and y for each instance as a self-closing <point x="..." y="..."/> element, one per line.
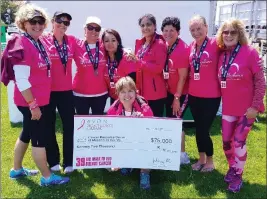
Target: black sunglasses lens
<point x="66" y="23"/>
<point x="97" y="29"/>
<point x="34" y="22"/>
<point x="59" y="21"/>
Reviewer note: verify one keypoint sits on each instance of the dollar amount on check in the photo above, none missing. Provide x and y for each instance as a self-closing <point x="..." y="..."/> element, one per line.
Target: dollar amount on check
<point x="126" y="142"/>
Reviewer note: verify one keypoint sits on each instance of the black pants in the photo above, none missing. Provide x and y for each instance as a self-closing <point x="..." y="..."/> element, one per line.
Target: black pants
<point x="97" y="104"/>
<point x="34" y="130"/>
<point x="169" y="102"/>
<point x="63" y="101"/>
<point x="204" y="112"/>
<point x="157" y="106"/>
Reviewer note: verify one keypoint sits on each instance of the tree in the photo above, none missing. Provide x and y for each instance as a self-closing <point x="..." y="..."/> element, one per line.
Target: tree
<point x="13" y="6"/>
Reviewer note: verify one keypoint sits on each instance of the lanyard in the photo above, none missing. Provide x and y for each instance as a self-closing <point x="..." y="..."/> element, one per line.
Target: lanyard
<point x="196" y="61"/>
<point x="94" y="60"/>
<point x="62" y="54"/>
<point x="225" y="67"/>
<point x="166" y="68"/>
<point x="142" y="51"/>
<point x="111" y="69"/>
<point x="41" y="50"/>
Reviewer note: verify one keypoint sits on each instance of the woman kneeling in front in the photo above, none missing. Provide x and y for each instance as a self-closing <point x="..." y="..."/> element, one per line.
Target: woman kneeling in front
<point x="131" y="104"/>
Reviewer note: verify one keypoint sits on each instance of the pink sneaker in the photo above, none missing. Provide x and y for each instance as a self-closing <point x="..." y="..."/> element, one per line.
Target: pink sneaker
<point x="236" y="183"/>
<point x="229" y="175"/>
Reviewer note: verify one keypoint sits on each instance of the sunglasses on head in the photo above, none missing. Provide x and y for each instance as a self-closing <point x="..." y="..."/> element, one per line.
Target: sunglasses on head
<point x="97" y="29"/>
<point x="60" y="21"/>
<point x="232" y="32"/>
<point x="34" y="21"/>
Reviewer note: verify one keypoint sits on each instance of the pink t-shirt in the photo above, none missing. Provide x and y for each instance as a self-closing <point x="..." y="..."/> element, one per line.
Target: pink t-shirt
<point x="39" y="80"/>
<point x="179" y="58"/>
<point x="238" y="94"/>
<point x="61" y="81"/>
<point x="207" y="86"/>
<point x="85" y="80"/>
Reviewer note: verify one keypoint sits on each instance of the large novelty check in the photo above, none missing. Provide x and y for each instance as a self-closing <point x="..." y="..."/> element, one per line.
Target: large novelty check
<point x="126" y="142"/>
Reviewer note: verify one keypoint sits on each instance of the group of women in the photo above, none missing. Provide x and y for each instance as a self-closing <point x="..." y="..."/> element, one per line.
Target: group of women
<point x="163" y="71"/>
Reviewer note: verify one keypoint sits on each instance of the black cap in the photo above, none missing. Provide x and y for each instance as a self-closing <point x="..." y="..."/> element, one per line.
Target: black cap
<point x="59" y="13"/>
<point x="36" y="13"/>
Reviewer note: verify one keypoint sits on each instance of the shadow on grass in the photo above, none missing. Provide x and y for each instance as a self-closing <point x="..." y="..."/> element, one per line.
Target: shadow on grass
<point x="74" y="188"/>
<point x="83" y="185"/>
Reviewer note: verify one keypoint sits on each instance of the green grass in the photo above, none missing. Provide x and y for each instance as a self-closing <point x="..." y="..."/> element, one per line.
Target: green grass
<point x="99" y="183"/>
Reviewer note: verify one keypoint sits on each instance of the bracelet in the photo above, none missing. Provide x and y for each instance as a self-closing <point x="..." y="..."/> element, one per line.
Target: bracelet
<point x="177" y="95"/>
<point x="33" y="104"/>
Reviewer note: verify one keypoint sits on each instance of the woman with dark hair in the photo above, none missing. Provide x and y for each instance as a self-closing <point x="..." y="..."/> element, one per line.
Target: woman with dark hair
<point x="175" y="74"/>
<point x="117" y="63"/>
<point x="61" y="50"/>
<point x="151" y="53"/>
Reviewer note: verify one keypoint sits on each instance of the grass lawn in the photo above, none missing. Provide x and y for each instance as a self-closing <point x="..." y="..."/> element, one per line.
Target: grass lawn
<point x="99" y="183"/>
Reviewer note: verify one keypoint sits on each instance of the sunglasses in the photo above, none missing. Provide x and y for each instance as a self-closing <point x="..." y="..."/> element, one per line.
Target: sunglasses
<point x="60" y="21"/>
<point x="40" y="21"/>
<point x="227" y="32"/>
<point x="147" y="24"/>
<point x="91" y="28"/>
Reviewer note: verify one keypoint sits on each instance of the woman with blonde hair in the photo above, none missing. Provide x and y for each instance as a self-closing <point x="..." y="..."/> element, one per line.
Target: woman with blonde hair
<point x="243" y="88"/>
<point x="204" y="94"/>
<point x="131" y="104"/>
<point x="31" y="95"/>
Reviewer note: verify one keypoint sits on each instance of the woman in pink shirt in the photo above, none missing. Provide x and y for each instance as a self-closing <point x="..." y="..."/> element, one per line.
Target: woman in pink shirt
<point x="89" y="87"/>
<point x="131" y="104"/>
<point x="175" y="74"/>
<point x="243" y="89"/>
<point x="118" y="64"/>
<point x="151" y="52"/>
<point x="204" y="91"/>
<point x="61" y="50"/>
<point x="31" y="95"/>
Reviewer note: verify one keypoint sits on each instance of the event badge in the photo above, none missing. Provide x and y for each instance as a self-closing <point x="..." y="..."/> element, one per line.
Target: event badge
<point x="196" y="76"/>
<point x="96" y="72"/>
<point x="165" y="75"/>
<point x="112" y="85"/>
<point x="223" y="84"/>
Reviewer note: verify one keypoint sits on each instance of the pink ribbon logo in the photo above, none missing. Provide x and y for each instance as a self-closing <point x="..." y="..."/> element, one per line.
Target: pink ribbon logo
<point x="82" y="124"/>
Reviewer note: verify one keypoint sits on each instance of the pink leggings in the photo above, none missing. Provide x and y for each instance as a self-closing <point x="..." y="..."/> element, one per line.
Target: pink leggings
<point x="235" y="130"/>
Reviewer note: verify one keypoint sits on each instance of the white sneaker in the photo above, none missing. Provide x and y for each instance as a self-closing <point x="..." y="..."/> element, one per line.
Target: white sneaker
<point x="68" y="169"/>
<point x="184" y="159"/>
<point x="56" y="168"/>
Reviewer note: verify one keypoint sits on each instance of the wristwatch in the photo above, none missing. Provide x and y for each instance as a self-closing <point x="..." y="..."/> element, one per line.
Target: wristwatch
<point x="177" y="96"/>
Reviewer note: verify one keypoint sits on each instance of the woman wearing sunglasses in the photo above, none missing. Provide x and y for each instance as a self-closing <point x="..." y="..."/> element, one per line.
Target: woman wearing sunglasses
<point x="118" y="64"/>
<point x="243" y="89"/>
<point x="61" y="49"/>
<point x="151" y="53"/>
<point x="89" y="86"/>
<point x="31" y="95"/>
<point x="204" y="89"/>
